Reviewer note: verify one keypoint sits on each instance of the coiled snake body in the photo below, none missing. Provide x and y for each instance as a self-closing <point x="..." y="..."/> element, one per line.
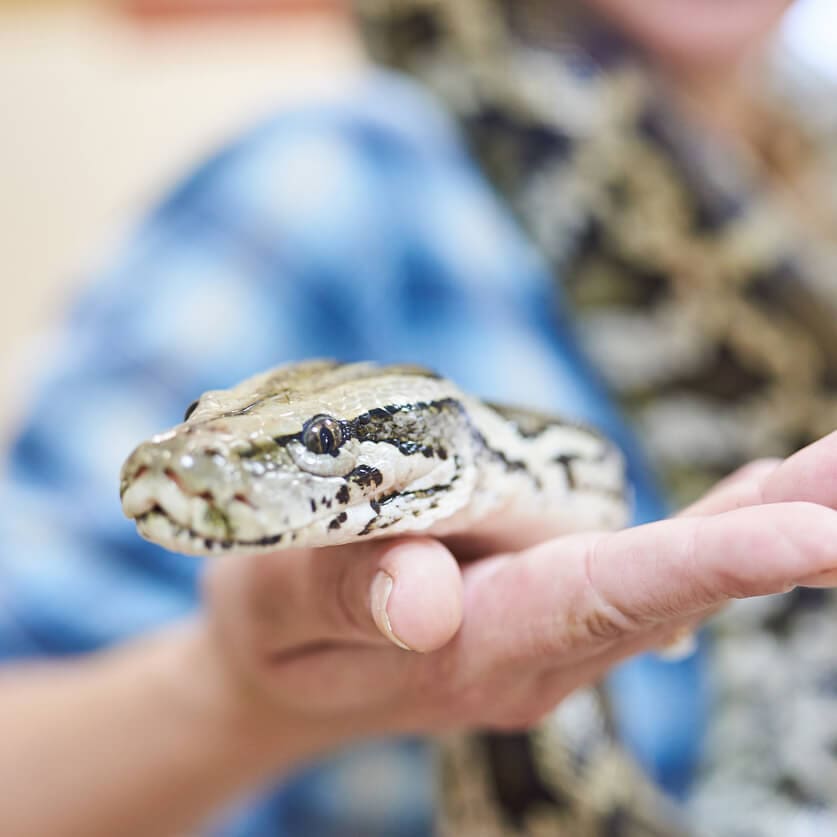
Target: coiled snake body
<point x="319" y="453"/>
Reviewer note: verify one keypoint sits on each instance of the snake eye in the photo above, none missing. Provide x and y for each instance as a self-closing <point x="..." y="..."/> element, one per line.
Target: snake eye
<point x="189" y="410"/>
<point x="323" y="434"/>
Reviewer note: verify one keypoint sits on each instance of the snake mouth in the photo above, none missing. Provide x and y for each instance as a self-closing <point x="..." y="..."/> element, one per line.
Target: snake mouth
<point x="191" y="518"/>
<point x="158" y="526"/>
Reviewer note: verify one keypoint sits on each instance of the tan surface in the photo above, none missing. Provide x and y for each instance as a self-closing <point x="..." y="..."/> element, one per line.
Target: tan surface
<point x="98" y="116"/>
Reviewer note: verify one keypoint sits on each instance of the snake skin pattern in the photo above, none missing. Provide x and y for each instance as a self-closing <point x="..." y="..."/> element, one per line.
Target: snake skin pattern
<point x="703" y="282"/>
<point x="322" y="453"/>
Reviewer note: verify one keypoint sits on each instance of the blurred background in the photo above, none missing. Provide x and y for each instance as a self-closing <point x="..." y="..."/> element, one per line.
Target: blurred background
<point x="103" y="103"/>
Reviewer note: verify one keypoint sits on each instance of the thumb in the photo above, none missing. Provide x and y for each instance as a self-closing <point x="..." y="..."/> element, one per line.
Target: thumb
<point x="406" y="593"/>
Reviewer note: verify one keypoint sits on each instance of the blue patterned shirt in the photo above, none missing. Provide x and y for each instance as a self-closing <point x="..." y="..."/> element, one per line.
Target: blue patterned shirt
<point x="357" y="229"/>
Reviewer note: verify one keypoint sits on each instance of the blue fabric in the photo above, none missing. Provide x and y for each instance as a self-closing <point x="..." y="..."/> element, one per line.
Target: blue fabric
<point x="356" y="229"/>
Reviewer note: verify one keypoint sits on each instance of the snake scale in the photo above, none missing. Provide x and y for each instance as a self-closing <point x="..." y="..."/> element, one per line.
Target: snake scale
<point x="321" y="453"/>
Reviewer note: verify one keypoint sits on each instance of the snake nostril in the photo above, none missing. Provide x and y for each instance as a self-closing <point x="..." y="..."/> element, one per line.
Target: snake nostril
<point x="140" y="472"/>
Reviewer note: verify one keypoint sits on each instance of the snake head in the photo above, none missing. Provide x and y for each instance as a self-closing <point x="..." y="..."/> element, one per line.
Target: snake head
<point x="313" y="454"/>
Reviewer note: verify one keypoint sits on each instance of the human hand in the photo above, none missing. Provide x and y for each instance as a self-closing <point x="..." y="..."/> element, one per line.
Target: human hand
<point x="312" y="644"/>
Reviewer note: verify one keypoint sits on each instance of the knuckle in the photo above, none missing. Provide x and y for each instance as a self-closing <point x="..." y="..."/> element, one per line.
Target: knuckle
<point x="604" y="623"/>
<point x="600" y="620"/>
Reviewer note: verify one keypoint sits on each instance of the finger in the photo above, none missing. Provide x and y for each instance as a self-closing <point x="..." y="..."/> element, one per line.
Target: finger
<point x="406" y="593"/>
<point x="809" y="475"/>
<point x="573" y="596"/>
<point x="744" y="487"/>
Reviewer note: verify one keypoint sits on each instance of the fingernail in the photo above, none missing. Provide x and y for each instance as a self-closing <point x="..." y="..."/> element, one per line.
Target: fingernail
<point x="828" y="578"/>
<point x="378" y="600"/>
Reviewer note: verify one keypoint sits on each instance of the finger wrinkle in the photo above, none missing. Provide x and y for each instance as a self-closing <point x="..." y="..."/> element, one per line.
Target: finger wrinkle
<point x="701" y="594"/>
<point x="601" y="620"/>
<point x="307" y="650"/>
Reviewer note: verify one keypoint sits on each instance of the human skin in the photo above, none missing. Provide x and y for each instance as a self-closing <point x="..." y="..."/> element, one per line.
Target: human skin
<point x="696" y="37"/>
<point x="707" y="53"/>
<point x="294" y="655"/>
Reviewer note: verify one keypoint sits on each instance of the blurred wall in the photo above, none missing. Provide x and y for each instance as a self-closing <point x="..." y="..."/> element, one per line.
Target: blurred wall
<point x="101" y="111"/>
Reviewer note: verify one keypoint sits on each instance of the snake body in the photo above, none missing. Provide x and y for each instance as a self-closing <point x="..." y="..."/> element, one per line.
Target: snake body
<point x="320" y="453"/>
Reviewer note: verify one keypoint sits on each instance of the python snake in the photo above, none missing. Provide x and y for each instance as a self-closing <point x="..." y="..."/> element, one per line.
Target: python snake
<point x="320" y="453"/>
